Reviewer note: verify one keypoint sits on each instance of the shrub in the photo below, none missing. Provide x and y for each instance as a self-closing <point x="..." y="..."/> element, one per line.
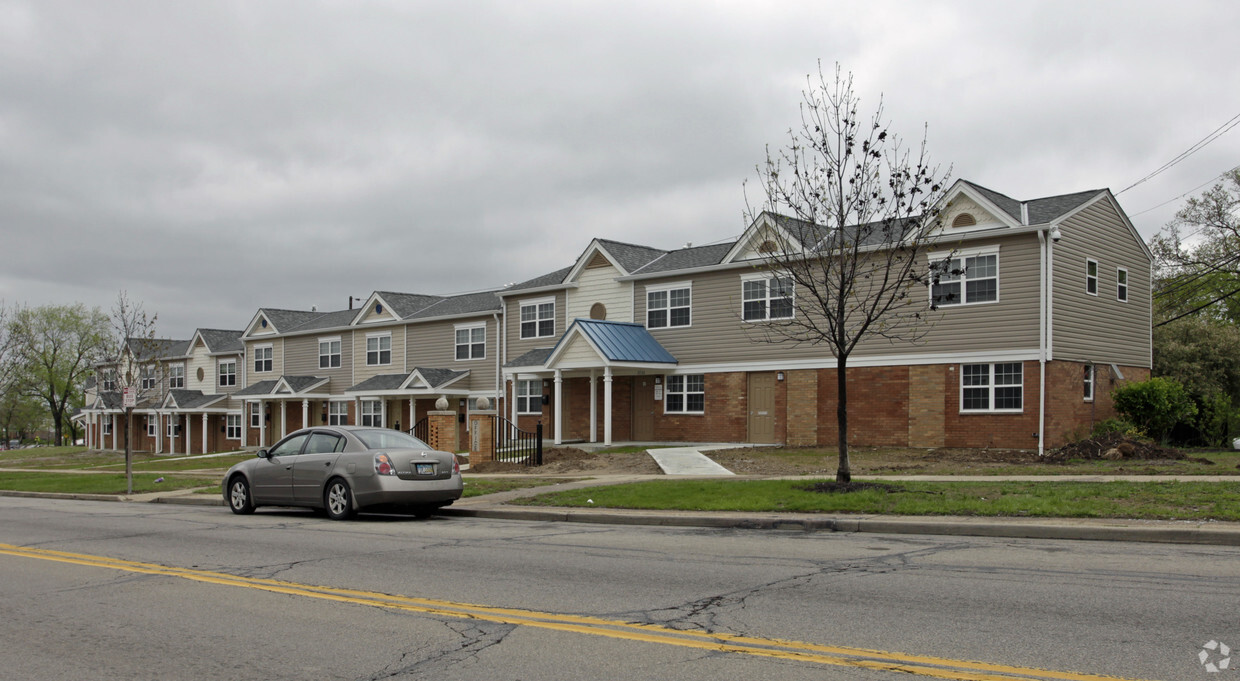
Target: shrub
<point x="1155" y="406"/>
<point x="1117" y="427"/>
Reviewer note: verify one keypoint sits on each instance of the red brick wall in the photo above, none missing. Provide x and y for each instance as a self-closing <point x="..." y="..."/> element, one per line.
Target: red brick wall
<point x="725" y="418"/>
<point x="877" y="406"/>
<point x="1068" y="415"/>
<point x="1005" y="431"/>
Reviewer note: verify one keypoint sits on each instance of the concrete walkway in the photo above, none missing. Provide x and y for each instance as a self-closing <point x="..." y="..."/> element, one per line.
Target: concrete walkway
<point x="689" y="460"/>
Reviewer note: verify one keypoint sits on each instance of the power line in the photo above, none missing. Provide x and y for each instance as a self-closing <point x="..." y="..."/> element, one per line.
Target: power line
<point x="1213" y="179"/>
<point x="1201" y="144"/>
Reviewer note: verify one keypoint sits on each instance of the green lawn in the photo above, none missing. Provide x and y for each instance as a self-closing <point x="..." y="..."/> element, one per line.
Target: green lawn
<point x="106" y="483"/>
<point x="476" y="487"/>
<point x="1156" y="500"/>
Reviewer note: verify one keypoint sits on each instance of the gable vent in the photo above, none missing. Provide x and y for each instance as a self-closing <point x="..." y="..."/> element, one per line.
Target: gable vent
<point x="599" y="260"/>
<point x="964" y="220"/>
<point x="767" y="246"/>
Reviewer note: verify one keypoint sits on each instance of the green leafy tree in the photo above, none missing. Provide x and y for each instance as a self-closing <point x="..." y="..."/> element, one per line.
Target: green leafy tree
<point x="1203" y="355"/>
<point x="19" y="414"/>
<point x="1198" y="256"/>
<point x="863" y="213"/>
<point x="55" y="348"/>
<point x="1156" y="406"/>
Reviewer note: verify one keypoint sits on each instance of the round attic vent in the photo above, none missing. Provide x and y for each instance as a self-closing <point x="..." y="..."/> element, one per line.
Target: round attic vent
<point x="201" y="374"/>
<point x="263" y="323"/>
<point x="598" y="311"/>
<point x="767" y="246"/>
<point x="964" y="220"/>
<point x="378" y="308"/>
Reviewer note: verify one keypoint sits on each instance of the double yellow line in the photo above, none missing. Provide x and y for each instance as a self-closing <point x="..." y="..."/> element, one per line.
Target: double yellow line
<point x="921" y="665"/>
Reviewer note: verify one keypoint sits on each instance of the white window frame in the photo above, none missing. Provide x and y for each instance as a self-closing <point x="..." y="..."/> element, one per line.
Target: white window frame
<point x="337" y="413"/>
<point x="331" y="358"/>
<point x="232" y="426"/>
<point x="176" y="376"/>
<point x="107" y="424"/>
<point x="378" y="350"/>
<point x="230" y="373"/>
<point x="767" y="299"/>
<point x="680" y="388"/>
<point x="152" y="425"/>
<point x="1121" y="284"/>
<point x="149" y="379"/>
<point x="538" y="320"/>
<point x="474" y="348"/>
<point x="946" y="277"/>
<point x="1091" y="280"/>
<point x="667" y="307"/>
<point x="264" y="359"/>
<point x="370" y="413"/>
<point x="109" y="380"/>
<point x="172" y="429"/>
<point x="256" y="415"/>
<point x="992" y="388"/>
<point x="529" y="394"/>
<point x="1088" y="388"/>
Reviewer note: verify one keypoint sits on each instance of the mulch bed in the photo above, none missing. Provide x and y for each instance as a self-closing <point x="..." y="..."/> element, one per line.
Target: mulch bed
<point x="1115" y="447"/>
<point x="833" y="487"/>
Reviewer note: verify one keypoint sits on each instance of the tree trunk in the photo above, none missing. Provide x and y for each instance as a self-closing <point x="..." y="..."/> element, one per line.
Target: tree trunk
<point x="128" y="450"/>
<point x="844" y="473"/>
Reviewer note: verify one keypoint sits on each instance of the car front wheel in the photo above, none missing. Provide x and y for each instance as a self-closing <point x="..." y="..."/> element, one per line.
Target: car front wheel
<point x="239" y="499"/>
<point x="338" y="500"/>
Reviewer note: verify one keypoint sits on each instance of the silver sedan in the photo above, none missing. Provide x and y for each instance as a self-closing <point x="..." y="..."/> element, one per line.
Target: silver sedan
<point x="343" y="469"/>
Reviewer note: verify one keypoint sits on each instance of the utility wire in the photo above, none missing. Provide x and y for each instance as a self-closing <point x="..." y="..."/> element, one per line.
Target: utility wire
<point x="1218" y="132"/>
<point x="1213" y="179"/>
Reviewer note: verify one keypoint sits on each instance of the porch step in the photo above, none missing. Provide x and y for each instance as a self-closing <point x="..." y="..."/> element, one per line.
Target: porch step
<point x="686" y="461"/>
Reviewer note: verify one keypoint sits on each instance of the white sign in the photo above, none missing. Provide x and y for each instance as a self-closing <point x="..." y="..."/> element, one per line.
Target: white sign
<point x="130" y="398"/>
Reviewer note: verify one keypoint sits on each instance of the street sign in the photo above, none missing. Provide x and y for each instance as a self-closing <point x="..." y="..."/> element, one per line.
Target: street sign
<point x="130" y="398"/>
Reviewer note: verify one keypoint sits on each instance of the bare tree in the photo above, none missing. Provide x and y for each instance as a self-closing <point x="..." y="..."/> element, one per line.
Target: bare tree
<point x="853" y="212"/>
<point x="133" y="356"/>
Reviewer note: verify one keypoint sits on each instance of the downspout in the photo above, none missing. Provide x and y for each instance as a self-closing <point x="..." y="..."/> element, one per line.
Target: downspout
<point x="1043" y="251"/>
<point x="499" y="378"/>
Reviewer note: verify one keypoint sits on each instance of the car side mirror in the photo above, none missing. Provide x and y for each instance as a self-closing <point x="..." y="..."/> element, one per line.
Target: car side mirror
<point x="263" y="454"/>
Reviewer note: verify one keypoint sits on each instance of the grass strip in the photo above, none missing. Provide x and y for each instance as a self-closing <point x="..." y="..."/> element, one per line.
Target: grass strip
<point x="105" y="483"/>
<point x="476" y="487"/>
<point x="1148" y="500"/>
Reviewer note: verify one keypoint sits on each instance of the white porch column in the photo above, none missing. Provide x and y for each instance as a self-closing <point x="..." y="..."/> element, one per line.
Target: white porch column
<point x="283" y="418"/>
<point x="357" y="411"/>
<point x="189" y="433"/>
<point x="262" y="425"/>
<point x="513" y="380"/>
<point x="593" y="405"/>
<point x="114" y="429"/>
<point x="559" y="406"/>
<point x="245" y="423"/>
<point x="305" y="413"/>
<point x="206" y="426"/>
<point x="607" y="405"/>
<point x="89" y="418"/>
<point x="159" y="431"/>
<point x="413" y="414"/>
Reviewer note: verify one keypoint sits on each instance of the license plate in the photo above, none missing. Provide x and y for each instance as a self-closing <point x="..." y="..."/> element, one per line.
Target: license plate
<point x="426" y="469"/>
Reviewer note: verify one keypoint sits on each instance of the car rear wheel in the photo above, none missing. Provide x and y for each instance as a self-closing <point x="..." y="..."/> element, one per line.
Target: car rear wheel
<point x="338" y="500"/>
<point x="239" y="499"/>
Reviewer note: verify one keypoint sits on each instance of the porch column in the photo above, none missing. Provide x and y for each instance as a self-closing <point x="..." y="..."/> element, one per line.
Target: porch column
<point x="245" y="424"/>
<point x="357" y="411"/>
<point x="512" y="380"/>
<point x="413" y="414"/>
<point x="159" y="431"/>
<point x="283" y="418"/>
<point x="206" y="425"/>
<point x="559" y="411"/>
<point x="607" y="405"/>
<point x="305" y="413"/>
<point x="189" y="433"/>
<point x="114" y="429"/>
<point x="593" y="405"/>
<point x="262" y="425"/>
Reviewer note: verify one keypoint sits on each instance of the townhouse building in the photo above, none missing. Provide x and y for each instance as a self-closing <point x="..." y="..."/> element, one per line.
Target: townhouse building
<point x="1046" y="307"/>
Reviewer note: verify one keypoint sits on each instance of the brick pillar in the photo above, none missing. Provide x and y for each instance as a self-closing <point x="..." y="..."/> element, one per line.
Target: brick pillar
<point x="441" y="430"/>
<point x="481" y="440"/>
<point x="802" y="406"/>
<point x="926" y="418"/>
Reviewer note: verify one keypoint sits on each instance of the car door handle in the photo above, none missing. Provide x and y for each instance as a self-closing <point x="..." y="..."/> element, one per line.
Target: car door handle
<point x="327" y="463"/>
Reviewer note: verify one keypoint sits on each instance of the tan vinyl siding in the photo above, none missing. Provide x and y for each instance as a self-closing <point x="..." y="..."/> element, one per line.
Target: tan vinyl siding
<point x="718" y="334"/>
<point x="599" y="285"/>
<point x="199" y="359"/>
<point x="1100" y="328"/>
<point x="301" y="358"/>
<point x="433" y="345"/>
<point x="277" y="361"/>
<point x="241" y="373"/>
<point x="361" y="371"/>
<point x="515" y="345"/>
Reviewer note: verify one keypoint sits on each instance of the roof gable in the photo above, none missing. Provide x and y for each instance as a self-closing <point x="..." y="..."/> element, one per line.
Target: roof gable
<point x="612" y="343"/>
<point x="769" y="233"/>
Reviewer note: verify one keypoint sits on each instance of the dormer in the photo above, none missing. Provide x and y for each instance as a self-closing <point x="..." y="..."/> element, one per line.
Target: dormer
<point x="971" y="208"/>
<point x="767" y="235"/>
<point x="376" y="310"/>
<point x="261" y="325"/>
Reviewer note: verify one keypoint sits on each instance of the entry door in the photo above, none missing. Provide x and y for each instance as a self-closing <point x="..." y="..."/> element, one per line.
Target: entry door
<point x="643" y="408"/>
<point x="762" y="407"/>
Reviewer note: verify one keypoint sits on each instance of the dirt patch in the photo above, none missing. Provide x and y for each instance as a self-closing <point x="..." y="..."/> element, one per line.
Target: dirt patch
<point x="571" y="460"/>
<point x="1115" y="448"/>
<point x="845" y="487"/>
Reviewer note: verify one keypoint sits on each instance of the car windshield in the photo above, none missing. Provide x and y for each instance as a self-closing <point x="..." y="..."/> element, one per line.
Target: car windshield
<point x="389" y="439"/>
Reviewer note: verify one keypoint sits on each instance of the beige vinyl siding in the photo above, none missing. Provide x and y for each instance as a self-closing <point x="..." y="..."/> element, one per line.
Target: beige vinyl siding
<point x="433" y="345"/>
<point x="599" y="285"/>
<point x="301" y="358"/>
<point x="241" y="373"/>
<point x="515" y="345"/>
<point x="1100" y="328"/>
<point x="199" y="359"/>
<point x="361" y="371"/>
<point x="277" y="361"/>
<point x="718" y="334"/>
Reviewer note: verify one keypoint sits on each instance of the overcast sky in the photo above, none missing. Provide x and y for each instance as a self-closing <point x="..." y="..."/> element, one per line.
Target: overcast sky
<point x="216" y="157"/>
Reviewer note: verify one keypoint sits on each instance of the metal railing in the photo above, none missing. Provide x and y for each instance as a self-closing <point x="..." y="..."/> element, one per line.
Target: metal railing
<point x="513" y="445"/>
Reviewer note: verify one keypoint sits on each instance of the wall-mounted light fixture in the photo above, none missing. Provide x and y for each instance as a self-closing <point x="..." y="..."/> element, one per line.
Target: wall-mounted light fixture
<point x="779" y="375"/>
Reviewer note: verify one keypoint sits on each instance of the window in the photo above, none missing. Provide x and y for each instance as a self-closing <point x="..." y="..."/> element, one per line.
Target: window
<point x="529" y="396"/>
<point x="471" y="342"/>
<point x="1091" y="277"/>
<point x="148" y="378"/>
<point x="685" y="394"/>
<point x="538" y="319"/>
<point x="991" y="387"/>
<point x="324" y="443"/>
<point x="173" y="428"/>
<point x="337" y="413"/>
<point x="232" y="427"/>
<point x="152" y="426"/>
<point x="379" y="350"/>
<point x="1121" y="284"/>
<point x="107" y="424"/>
<point x="329" y="353"/>
<point x="176" y="376"/>
<point x="668" y="307"/>
<point x="256" y="415"/>
<point x="1089" y="383"/>
<point x="965" y="279"/>
<point x="291" y="446"/>
<point x="766" y="297"/>
<point x="372" y="413"/>
<point x="228" y="373"/>
<point x="262" y="359"/>
<point x="109" y="380"/>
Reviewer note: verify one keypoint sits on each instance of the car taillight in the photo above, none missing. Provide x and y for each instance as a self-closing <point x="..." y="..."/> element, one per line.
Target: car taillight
<point x="383" y="465"/>
<point x="456" y="466"/>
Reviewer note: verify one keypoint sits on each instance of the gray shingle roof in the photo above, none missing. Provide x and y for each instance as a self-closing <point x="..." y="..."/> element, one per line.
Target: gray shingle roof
<point x="260" y="388"/>
<point x="407" y="304"/>
<point x="222" y="340"/>
<point x="1007" y="204"/>
<point x="322" y="320"/>
<point x="688" y="258"/>
<point x="467" y="303"/>
<point x="533" y="358"/>
<point x="157" y="348"/>
<point x="1042" y="211"/>
<point x="631" y="256"/>
<point x="438" y="377"/>
<point x="380" y="382"/>
<point x="556" y="277"/>
<point x="193" y="399"/>
<point x="301" y="383"/>
<point x="287" y="320"/>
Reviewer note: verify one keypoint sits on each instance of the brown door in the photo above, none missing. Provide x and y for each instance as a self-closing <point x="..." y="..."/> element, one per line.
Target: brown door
<point x="643" y="408"/>
<point x="762" y="408"/>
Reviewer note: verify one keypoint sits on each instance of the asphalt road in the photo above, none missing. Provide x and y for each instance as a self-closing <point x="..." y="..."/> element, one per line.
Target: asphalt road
<point x="140" y="591"/>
